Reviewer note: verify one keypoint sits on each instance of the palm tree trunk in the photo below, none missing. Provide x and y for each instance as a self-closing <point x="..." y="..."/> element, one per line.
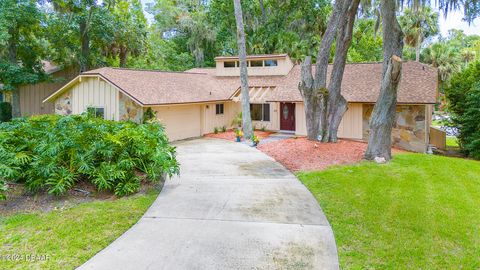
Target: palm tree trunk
<point x="242" y="53"/>
<point x="383" y="115"/>
<point x="417" y="49"/>
<point x="85" y="46"/>
<point x="123" y="56"/>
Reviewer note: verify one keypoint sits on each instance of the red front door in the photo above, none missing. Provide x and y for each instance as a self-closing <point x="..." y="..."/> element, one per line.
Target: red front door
<point x="287" y="116"/>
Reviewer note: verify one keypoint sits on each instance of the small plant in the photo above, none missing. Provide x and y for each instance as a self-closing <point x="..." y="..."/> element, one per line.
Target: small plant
<point x="149" y="115"/>
<point x="238" y="134"/>
<point x="237" y="121"/>
<point x="215" y="130"/>
<point x="223" y="129"/>
<point x="255" y="140"/>
<point x="5" y="111"/>
<point x="264" y="128"/>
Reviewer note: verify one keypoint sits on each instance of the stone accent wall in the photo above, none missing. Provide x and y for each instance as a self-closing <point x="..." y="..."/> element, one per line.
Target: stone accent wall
<point x="63" y="104"/>
<point x="409" y="130"/>
<point x="129" y="110"/>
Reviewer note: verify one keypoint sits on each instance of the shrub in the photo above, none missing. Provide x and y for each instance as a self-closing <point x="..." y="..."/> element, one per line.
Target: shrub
<point x="149" y="115"/>
<point x="5" y="111"/>
<point x="223" y="129"/>
<point x="463" y="94"/>
<point x="53" y="153"/>
<point x="215" y="130"/>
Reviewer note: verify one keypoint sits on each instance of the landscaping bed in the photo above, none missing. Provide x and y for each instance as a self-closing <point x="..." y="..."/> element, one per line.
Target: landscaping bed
<point x="416" y="212"/>
<point x="230" y="135"/>
<point x="300" y="154"/>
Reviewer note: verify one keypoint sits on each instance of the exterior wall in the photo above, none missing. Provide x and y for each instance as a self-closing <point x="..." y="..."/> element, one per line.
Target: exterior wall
<point x="32" y="95"/>
<point x="63" y="104"/>
<point x="283" y="68"/>
<point x="211" y="120"/>
<point x="181" y="121"/>
<point x="93" y="91"/>
<point x="129" y="109"/>
<point x="274" y="123"/>
<point x="350" y="127"/>
<point x="409" y="131"/>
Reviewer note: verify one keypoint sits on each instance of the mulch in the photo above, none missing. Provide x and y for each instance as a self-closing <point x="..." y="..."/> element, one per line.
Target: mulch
<point x="230" y="135"/>
<point x="300" y="154"/>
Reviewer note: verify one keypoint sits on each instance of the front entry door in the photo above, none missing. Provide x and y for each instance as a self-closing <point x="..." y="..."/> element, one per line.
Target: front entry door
<point x="287" y="116"/>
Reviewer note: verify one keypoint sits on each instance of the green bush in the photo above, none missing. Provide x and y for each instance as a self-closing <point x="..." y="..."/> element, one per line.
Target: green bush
<point x="463" y="94"/>
<point x="5" y="111"/>
<point x="53" y="152"/>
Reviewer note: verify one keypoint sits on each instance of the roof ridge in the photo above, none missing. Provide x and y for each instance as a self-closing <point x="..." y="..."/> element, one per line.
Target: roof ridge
<point x="147" y="70"/>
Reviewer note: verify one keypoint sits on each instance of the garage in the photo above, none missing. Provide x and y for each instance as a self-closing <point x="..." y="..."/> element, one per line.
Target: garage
<point x="181" y="121"/>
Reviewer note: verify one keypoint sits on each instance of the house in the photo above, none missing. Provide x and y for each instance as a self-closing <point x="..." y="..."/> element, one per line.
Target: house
<point x="193" y="103"/>
<point x="32" y="95"/>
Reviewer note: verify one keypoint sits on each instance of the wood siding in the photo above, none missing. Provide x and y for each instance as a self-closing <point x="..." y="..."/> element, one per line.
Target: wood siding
<point x="438" y="138"/>
<point x="95" y="92"/>
<point x="350" y="127"/>
<point x="32" y="95"/>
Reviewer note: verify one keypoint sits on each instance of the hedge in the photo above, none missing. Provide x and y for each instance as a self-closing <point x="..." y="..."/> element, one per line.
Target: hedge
<point x="53" y="153"/>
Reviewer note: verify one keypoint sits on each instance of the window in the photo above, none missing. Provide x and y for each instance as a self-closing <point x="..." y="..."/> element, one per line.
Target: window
<point x="219" y="108"/>
<point x="97" y="112"/>
<point x="229" y="64"/>
<point x="271" y="63"/>
<point x="260" y="112"/>
<point x="1" y="96"/>
<point x="256" y="63"/>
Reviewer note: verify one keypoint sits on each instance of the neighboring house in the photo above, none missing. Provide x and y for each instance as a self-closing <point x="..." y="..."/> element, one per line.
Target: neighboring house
<point x="193" y="103"/>
<point x="32" y="95"/>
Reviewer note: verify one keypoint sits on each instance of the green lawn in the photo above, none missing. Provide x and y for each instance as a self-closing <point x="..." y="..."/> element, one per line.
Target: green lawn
<point x="417" y="212"/>
<point x="68" y="237"/>
<point x="452" y="141"/>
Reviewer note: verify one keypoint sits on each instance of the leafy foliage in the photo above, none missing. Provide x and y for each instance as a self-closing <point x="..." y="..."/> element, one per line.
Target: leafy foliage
<point x="5" y="111"/>
<point x="464" y="96"/>
<point x="52" y="153"/>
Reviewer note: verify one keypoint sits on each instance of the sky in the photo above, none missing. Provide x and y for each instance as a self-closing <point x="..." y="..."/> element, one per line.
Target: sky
<point x="453" y="21"/>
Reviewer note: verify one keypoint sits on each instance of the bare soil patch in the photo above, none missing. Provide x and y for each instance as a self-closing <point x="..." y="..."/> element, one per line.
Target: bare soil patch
<point x="300" y="154"/>
<point x="19" y="200"/>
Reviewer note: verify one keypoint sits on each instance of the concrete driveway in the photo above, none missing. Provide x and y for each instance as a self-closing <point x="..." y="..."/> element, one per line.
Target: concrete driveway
<point x="233" y="207"/>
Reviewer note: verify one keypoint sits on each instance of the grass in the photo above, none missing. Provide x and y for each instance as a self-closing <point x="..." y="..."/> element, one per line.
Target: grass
<point x="417" y="212"/>
<point x="452" y="141"/>
<point x="64" y="239"/>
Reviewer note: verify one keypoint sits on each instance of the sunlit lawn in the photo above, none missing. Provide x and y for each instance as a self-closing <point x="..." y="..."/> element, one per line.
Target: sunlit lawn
<point x="417" y="212"/>
<point x="67" y="238"/>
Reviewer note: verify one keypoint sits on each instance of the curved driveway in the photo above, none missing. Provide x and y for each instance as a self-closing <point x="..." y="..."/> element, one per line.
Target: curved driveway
<point x="233" y="207"/>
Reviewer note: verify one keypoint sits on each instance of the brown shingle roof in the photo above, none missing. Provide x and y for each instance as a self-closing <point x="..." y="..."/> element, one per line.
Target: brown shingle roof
<point x="361" y="83"/>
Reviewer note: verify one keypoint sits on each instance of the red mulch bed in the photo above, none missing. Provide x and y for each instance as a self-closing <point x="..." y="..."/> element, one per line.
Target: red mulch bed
<point x="300" y="154"/>
<point x="230" y="135"/>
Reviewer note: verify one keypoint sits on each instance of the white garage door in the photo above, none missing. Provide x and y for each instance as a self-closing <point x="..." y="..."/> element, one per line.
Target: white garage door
<point x="181" y="121"/>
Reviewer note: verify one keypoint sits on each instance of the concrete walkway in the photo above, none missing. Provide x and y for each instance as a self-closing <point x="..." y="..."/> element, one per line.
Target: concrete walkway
<point x="232" y="208"/>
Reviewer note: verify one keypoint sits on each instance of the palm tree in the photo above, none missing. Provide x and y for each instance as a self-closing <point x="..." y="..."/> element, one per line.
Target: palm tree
<point x="417" y="26"/>
<point x="445" y="58"/>
<point x="242" y="54"/>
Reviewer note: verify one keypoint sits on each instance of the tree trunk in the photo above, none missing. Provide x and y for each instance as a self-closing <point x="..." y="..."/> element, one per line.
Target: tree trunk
<point x="417" y="50"/>
<point x="262" y="9"/>
<point x="383" y="115"/>
<point x="12" y="57"/>
<point x="314" y="89"/>
<point x="123" y="56"/>
<point x="242" y="54"/>
<point x="337" y="105"/>
<point x="85" y="46"/>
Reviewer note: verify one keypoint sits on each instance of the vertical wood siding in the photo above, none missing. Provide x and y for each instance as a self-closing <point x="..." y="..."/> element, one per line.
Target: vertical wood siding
<point x="351" y="126"/>
<point x="95" y="92"/>
<point x="32" y="95"/>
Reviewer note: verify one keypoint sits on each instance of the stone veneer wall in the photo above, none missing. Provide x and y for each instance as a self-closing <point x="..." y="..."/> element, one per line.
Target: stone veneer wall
<point x="409" y="130"/>
<point x="129" y="110"/>
<point x="63" y="104"/>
